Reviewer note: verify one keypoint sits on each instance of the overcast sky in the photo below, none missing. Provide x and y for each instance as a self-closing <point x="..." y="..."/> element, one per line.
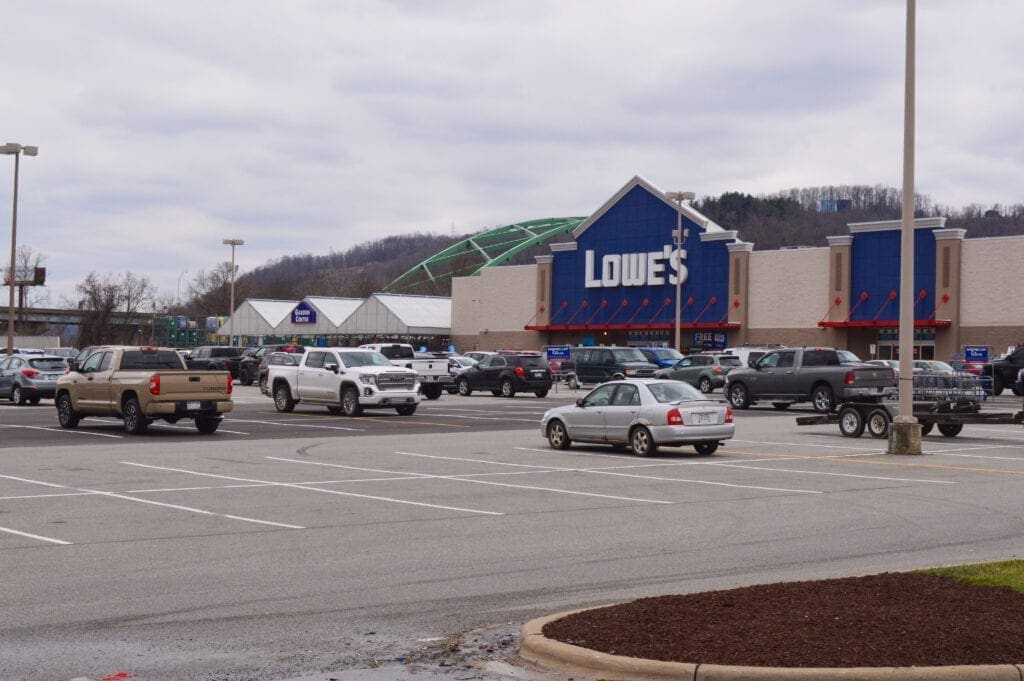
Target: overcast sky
<point x="164" y="128"/>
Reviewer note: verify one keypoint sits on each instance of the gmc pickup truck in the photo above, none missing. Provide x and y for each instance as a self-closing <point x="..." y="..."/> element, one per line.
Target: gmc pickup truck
<point x="345" y="380"/>
<point x="823" y="376"/>
<point x="434" y="372"/>
<point x="140" y="384"/>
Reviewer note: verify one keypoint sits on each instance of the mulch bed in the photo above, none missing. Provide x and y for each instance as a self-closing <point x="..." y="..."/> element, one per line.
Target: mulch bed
<point x="886" y="620"/>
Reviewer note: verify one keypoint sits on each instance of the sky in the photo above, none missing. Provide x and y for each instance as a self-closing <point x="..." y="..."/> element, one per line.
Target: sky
<point x="312" y="126"/>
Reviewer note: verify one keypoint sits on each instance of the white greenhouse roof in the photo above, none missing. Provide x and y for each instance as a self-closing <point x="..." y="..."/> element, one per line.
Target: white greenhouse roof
<point x="419" y="311"/>
<point x="336" y="310"/>
<point x="273" y="311"/>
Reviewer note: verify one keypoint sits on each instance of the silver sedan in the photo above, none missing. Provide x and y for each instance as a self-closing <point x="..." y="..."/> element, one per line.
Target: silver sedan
<point x="643" y="414"/>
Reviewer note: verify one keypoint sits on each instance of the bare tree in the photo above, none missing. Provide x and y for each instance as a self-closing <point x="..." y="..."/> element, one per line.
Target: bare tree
<point x="26" y="261"/>
<point x="210" y="291"/>
<point x="101" y="296"/>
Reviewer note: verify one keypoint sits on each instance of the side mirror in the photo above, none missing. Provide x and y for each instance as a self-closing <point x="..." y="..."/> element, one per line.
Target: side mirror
<point x="72" y="365"/>
<point x="331" y="366"/>
<point x="579" y="402"/>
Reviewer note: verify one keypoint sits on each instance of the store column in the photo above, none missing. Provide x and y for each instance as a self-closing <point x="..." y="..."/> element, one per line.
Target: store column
<point x="838" y="304"/>
<point x="948" y="246"/>
<point x="739" y="289"/>
<point x="543" y="303"/>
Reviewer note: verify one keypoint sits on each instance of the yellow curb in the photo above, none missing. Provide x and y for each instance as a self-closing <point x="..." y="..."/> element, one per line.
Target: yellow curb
<point x="537" y="648"/>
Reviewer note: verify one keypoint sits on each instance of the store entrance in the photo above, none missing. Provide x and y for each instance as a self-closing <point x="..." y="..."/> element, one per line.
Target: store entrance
<point x="889" y="344"/>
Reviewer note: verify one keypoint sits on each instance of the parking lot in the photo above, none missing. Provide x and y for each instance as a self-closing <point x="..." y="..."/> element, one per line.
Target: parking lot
<point x="284" y="538"/>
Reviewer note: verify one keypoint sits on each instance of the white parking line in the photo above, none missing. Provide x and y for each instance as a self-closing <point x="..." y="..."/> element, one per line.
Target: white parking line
<point x="704" y="482"/>
<point x="841" y="475"/>
<point x="873" y="450"/>
<point x="71" y="431"/>
<point x="177" y="427"/>
<point x="35" y="536"/>
<point x="315" y="489"/>
<point x="294" y="423"/>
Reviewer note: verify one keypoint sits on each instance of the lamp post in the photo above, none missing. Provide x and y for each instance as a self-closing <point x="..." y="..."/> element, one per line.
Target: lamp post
<point x="177" y="295"/>
<point x="16" y="150"/>
<point x="231" y="319"/>
<point x="679" y="234"/>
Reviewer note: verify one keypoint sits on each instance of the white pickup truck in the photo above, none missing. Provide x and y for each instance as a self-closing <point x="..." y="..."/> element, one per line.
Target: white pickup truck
<point x="346" y="381"/>
<point x="434" y="373"/>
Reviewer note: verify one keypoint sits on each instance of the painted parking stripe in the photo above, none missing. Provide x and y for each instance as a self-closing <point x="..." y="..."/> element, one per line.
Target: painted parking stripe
<point x="177" y="427"/>
<point x="841" y="475"/>
<point x="70" y="431"/>
<point x="704" y="482"/>
<point x="35" y="536"/>
<point x="315" y="489"/>
<point x="295" y="423"/>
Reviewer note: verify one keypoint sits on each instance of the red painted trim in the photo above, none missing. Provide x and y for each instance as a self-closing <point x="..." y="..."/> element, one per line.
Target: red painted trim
<point x="698" y="326"/>
<point x="886" y="324"/>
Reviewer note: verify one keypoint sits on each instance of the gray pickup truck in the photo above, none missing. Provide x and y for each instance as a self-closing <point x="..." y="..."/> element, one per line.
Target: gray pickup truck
<point x="823" y="376"/>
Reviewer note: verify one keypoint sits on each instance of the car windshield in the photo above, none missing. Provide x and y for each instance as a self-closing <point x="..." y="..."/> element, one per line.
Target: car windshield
<point x="48" y="364"/>
<point x="729" y="360"/>
<point x="674" y="391"/>
<point x="133" y="360"/>
<point x="225" y="352"/>
<point x="628" y="355"/>
<point x="941" y="366"/>
<point x="847" y="356"/>
<point x="366" y="358"/>
<point x="667" y="353"/>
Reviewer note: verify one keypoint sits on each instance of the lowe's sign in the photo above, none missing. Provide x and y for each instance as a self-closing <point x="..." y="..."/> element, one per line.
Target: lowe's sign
<point x="634" y="269"/>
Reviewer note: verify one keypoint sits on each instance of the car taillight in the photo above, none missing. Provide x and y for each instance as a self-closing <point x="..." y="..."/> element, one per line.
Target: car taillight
<point x="675" y="418"/>
<point x="231" y="386"/>
<point x="849" y="378"/>
<point x="154" y="385"/>
<point x="520" y="372"/>
<point x="717" y="369"/>
<point x="30" y="373"/>
<point x="728" y="414"/>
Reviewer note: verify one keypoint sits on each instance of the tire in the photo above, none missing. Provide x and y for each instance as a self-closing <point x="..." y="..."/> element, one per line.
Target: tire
<point x="17" y="396"/>
<point x="572" y="382"/>
<point x="66" y="414"/>
<point x="432" y="391"/>
<point x="507" y="388"/>
<point x="926" y="428"/>
<point x="34" y="400"/>
<point x="617" y="377"/>
<point x="350" y="402"/>
<point x="496" y="392"/>
<point x="135" y="422"/>
<point x="263" y="385"/>
<point x="851" y="423"/>
<point x="997" y="384"/>
<point x="207" y="425"/>
<point x="739" y="397"/>
<point x="642" y="442"/>
<point x="406" y="409"/>
<point x="243" y="377"/>
<point x="1017" y="389"/>
<point x="558" y="437"/>
<point x="540" y="393"/>
<point x="334" y="409"/>
<point x="704" y="385"/>
<point x="463" y="387"/>
<point x="823" y="399"/>
<point x="950" y="429"/>
<point x="283" y="398"/>
<point x="782" y="406"/>
<point x="706" y="448"/>
<point x="453" y="389"/>
<point x="877" y="423"/>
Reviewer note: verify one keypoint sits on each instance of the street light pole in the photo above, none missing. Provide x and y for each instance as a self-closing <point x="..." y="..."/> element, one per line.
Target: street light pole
<point x="177" y="295"/>
<point x="231" y="319"/>
<point x="16" y="150"/>
<point x="679" y="235"/>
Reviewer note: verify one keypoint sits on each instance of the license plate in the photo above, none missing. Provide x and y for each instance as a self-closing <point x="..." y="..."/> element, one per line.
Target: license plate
<point x="703" y="419"/>
<point x="52" y="377"/>
<point x="192" y="405"/>
<point x="538" y="374"/>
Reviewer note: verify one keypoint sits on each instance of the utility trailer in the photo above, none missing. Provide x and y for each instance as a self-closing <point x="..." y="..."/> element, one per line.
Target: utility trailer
<point x="949" y="417"/>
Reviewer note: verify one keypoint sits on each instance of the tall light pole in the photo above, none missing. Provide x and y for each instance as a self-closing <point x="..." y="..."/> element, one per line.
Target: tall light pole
<point x="679" y="234"/>
<point x="231" y="319"/>
<point x="177" y="295"/>
<point x="16" y="150"/>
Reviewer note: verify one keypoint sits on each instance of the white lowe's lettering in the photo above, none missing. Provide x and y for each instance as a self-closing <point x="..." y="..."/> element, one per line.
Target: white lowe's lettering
<point x="634" y="269"/>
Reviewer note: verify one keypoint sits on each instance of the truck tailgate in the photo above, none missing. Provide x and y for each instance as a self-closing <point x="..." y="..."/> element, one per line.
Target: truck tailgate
<point x="193" y="385"/>
<point x="874" y="377"/>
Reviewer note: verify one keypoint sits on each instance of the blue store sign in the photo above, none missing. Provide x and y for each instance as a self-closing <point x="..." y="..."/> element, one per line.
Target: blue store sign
<point x="303" y="314"/>
<point x="976" y="353"/>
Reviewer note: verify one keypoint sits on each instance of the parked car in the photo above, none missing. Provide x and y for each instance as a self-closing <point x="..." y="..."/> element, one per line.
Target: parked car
<point x="506" y="374"/>
<point x="663" y="357"/>
<point x="705" y="371"/>
<point x="893" y="364"/>
<point x="643" y="414"/>
<point x="456" y="365"/>
<point x="1004" y="370"/>
<point x="478" y="355"/>
<point x="66" y="353"/>
<point x="600" y="364"/>
<point x="251" y="364"/>
<point x="931" y="366"/>
<point x="30" y="378"/>
<point x="1018" y="387"/>
<point x="288" y="359"/>
<point x="751" y="353"/>
<point x="432" y="371"/>
<point x="216" y="358"/>
<point x="968" y="367"/>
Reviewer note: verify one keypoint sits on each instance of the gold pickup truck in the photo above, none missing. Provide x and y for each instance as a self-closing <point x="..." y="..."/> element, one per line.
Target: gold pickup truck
<point x="140" y="384"/>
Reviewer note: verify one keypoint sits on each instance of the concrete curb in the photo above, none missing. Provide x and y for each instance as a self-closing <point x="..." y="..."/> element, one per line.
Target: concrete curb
<point x="535" y="647"/>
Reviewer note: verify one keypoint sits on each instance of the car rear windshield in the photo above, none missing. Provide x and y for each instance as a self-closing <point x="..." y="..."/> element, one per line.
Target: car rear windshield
<point x="226" y="352"/>
<point x="628" y="355"/>
<point x="532" y="362"/>
<point x="134" y="360"/>
<point x="729" y="361"/>
<point x="674" y="391"/>
<point x="397" y="352"/>
<point x="48" y="364"/>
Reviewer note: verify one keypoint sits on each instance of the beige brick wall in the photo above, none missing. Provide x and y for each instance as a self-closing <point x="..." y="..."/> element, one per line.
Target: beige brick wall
<point x="993" y="287"/>
<point x="489" y="311"/>
<point x="787" y="290"/>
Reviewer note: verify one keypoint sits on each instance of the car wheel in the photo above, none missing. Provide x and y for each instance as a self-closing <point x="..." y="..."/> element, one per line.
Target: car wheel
<point x="207" y="425"/>
<point x="17" y="396"/>
<point x="135" y="422"/>
<point x="851" y="423"/>
<point x="642" y="442"/>
<point x="878" y="423"/>
<point x="283" y="398"/>
<point x="464" y="388"/>
<point x="350" y="402"/>
<point x="704" y="385"/>
<point x="822" y="399"/>
<point x="572" y="382"/>
<point x="739" y="398"/>
<point x="706" y="448"/>
<point x="950" y="429"/>
<point x="558" y="438"/>
<point x="432" y="391"/>
<point x="540" y="393"/>
<point x="406" y="410"/>
<point x="781" y="406"/>
<point x="66" y="413"/>
<point x="507" y="389"/>
<point x="997" y="385"/>
<point x="496" y="392"/>
<point x="926" y="428"/>
<point x="1018" y="389"/>
<point x="452" y="389"/>
<point x="263" y="384"/>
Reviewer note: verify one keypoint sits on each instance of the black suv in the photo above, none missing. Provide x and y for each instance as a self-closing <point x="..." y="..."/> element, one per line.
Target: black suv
<point x="506" y="374"/>
<point x="600" y="363"/>
<point x="254" y="360"/>
<point x="216" y="358"/>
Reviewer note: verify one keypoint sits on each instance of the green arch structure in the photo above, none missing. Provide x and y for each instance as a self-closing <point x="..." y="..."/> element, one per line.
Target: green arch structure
<point x="486" y="249"/>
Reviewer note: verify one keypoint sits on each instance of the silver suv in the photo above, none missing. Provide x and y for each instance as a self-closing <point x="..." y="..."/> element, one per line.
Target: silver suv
<point x="30" y="378"/>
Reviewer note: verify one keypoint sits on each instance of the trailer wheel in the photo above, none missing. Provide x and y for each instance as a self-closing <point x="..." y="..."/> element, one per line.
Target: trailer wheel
<point x="851" y="423"/>
<point x="878" y="423"/>
<point x="950" y="429"/>
<point x="926" y="428"/>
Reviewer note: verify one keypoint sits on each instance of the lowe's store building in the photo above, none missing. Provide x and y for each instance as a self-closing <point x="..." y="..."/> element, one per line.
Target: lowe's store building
<point x="614" y="283"/>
